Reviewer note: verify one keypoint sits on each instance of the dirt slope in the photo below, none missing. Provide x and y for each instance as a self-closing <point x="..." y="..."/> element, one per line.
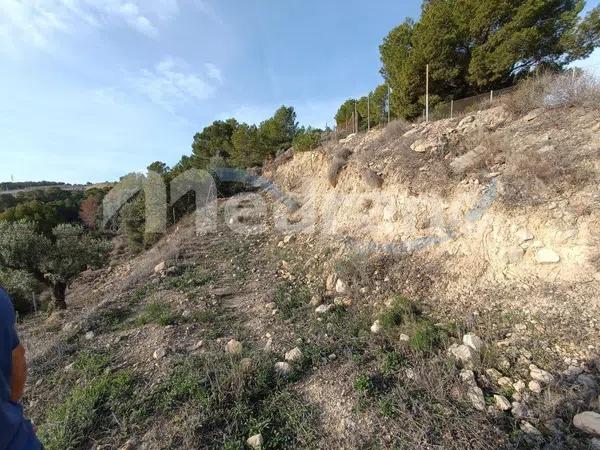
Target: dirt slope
<point x="406" y="240"/>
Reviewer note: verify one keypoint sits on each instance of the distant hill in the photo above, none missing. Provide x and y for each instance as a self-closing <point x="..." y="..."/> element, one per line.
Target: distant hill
<point x="10" y="186"/>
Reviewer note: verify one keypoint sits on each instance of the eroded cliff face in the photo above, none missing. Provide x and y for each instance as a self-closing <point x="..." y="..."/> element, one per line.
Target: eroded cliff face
<point x="496" y="197"/>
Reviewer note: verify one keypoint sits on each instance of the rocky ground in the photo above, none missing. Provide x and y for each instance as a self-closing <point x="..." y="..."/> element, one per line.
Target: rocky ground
<point x="247" y="336"/>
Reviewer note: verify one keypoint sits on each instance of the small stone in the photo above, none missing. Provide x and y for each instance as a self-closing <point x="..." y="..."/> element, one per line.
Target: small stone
<point x="283" y="369"/>
<point x="504" y="381"/>
<point x="341" y="287"/>
<point x="404" y="337"/>
<point x="474" y="392"/>
<point x="538" y="374"/>
<point x="502" y="402"/>
<point x="519" y="386"/>
<point x="547" y="256"/>
<point x="473" y="341"/>
<point x="588" y="422"/>
<point x="535" y="386"/>
<point x="255" y="442"/>
<point x="89" y="335"/>
<point x="322" y="309"/>
<point x="527" y="428"/>
<point x="234" y="347"/>
<point x="410" y="374"/>
<point x="159" y="267"/>
<point x="159" y="353"/>
<point x="518" y="410"/>
<point x="376" y="327"/>
<point x="293" y="355"/>
<point x="287" y="239"/>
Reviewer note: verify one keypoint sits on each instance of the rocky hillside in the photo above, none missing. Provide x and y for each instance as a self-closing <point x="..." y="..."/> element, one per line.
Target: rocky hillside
<point x="434" y="286"/>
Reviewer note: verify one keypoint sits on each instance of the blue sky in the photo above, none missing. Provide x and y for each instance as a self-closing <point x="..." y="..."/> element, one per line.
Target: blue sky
<point x="93" y="89"/>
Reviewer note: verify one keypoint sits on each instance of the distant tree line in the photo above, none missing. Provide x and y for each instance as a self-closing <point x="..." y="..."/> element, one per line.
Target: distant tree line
<point x="11" y="186"/>
<point x="473" y="46"/>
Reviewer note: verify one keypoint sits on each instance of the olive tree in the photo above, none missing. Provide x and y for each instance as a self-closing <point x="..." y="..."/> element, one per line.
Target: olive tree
<point x="54" y="261"/>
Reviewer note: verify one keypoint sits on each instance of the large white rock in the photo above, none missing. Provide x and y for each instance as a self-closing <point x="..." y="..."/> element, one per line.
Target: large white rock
<point x="255" y="442"/>
<point x="474" y="392"/>
<point x="540" y="375"/>
<point x="159" y="267"/>
<point x="376" y="327"/>
<point x="322" y="309"/>
<point x="462" y="353"/>
<point x="341" y="287"/>
<point x="588" y="422"/>
<point x="430" y="145"/>
<point x="502" y="402"/>
<point x="547" y="256"/>
<point x="293" y="355"/>
<point x="473" y="341"/>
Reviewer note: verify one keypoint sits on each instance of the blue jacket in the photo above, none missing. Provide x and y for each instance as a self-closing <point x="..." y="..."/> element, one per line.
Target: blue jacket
<point x="16" y="433"/>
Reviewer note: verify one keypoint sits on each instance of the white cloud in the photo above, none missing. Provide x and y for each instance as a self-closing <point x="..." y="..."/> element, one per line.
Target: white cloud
<point x="214" y="72"/>
<point x="171" y="83"/>
<point x="38" y="22"/>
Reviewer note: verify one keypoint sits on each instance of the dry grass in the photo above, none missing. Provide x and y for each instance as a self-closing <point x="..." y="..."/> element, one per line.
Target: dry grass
<point x="394" y="130"/>
<point x="372" y="179"/>
<point x="531" y="178"/>
<point x="554" y="91"/>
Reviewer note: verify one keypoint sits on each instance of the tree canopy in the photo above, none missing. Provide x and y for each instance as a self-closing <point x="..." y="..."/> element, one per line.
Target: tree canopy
<point x="473" y="46"/>
<point x="54" y="261"/>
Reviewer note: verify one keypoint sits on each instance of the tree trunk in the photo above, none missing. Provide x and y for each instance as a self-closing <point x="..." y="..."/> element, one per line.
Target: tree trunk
<point x="58" y="294"/>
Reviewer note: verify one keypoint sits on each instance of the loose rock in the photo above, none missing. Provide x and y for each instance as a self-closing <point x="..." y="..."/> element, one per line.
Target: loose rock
<point x="159" y="353"/>
<point x="322" y="309"/>
<point x="502" y="402"/>
<point x="234" y="347"/>
<point x="283" y="369"/>
<point x="547" y="256"/>
<point x="588" y="422"/>
<point x="473" y="341"/>
<point x="255" y="442"/>
<point x="540" y="375"/>
<point x="293" y="355"/>
<point x="376" y="327"/>
<point x="462" y="353"/>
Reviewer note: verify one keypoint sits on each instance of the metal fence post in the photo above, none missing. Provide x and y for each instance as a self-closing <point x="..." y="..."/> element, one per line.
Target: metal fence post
<point x="427" y="95"/>
<point x="491" y="96"/>
<point x="369" y="112"/>
<point x="452" y="109"/>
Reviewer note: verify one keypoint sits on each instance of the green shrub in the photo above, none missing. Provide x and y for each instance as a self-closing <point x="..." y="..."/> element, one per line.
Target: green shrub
<point x="87" y="412"/>
<point x="159" y="313"/>
<point x="309" y="140"/>
<point x="291" y="300"/>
